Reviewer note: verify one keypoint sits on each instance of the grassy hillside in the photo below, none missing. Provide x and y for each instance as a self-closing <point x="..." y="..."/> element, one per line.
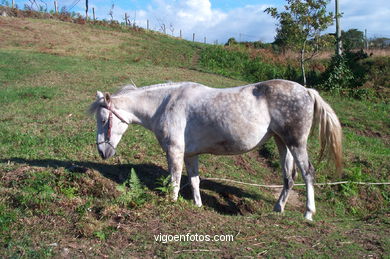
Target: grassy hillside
<point x="58" y="198"/>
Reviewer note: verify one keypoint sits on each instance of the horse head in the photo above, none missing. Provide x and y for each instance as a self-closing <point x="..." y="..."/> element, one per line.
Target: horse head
<point x="110" y="124"/>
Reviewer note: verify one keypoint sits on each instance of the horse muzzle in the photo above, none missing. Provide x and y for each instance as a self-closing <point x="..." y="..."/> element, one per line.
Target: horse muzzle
<point x="106" y="150"/>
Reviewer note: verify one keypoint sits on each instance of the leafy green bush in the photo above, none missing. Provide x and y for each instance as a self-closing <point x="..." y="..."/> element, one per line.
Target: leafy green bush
<point x="338" y="76"/>
<point x="354" y="63"/>
<point x="355" y="75"/>
<point x="377" y="77"/>
<point x="222" y="61"/>
<point x="240" y="65"/>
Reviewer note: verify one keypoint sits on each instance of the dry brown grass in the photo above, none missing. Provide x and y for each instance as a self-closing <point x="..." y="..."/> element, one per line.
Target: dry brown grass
<point x="59" y="38"/>
<point x="327" y="54"/>
<point x="379" y="52"/>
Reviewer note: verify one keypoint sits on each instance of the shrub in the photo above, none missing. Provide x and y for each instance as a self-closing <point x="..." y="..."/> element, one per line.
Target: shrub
<point x="238" y="64"/>
<point x="338" y="76"/>
<point x="356" y="75"/>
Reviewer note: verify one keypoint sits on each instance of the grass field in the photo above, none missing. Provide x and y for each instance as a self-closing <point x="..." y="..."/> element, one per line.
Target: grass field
<point x="58" y="198"/>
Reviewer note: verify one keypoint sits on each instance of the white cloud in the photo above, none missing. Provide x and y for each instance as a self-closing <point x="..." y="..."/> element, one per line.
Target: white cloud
<point x="199" y="17"/>
<point x="366" y="14"/>
<point x="246" y="23"/>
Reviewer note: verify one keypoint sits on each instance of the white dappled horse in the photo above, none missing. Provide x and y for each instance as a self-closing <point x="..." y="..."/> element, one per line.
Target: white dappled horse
<point x="190" y="119"/>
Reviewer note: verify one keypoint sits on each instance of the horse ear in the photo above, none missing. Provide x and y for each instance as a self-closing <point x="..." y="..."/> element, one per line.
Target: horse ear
<point x="107" y="97"/>
<point x="99" y="95"/>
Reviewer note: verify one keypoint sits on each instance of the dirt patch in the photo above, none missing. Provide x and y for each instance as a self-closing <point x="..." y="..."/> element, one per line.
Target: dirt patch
<point x="293" y="199"/>
<point x="16" y="175"/>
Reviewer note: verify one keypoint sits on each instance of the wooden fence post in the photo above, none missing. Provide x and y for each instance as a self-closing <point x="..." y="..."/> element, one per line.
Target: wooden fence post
<point x="180" y="34"/>
<point x="126" y="19"/>
<point x="147" y="24"/>
<point x="204" y="40"/>
<point x="93" y="13"/>
<point x="55" y="6"/>
<point x="193" y="37"/>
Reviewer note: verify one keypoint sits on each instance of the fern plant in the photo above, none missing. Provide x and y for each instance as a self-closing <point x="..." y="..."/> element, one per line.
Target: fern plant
<point x="164" y="184"/>
<point x="133" y="192"/>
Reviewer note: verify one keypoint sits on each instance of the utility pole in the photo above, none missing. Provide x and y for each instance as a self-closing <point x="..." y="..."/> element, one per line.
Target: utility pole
<point x="338" y="30"/>
<point x="365" y="40"/>
<point x="86" y="9"/>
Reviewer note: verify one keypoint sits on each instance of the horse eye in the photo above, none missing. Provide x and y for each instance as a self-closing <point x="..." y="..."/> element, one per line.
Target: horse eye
<point x="104" y="121"/>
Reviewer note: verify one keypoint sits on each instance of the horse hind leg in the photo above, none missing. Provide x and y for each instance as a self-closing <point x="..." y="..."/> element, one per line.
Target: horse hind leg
<point x="301" y="158"/>
<point x="289" y="173"/>
<point x="193" y="175"/>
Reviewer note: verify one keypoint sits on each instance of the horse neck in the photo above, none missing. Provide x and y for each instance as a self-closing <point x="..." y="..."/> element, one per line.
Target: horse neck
<point x="142" y="105"/>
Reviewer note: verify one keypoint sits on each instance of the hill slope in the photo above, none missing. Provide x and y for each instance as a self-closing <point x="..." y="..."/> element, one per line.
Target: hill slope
<point x="59" y="198"/>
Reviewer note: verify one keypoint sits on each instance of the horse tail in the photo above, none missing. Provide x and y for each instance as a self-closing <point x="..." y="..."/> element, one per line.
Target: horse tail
<point x="330" y="134"/>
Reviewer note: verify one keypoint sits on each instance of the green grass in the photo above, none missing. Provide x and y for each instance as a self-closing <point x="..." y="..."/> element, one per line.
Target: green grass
<point x="58" y="198"/>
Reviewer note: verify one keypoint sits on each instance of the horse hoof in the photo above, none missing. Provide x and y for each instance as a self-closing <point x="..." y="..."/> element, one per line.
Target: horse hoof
<point x="278" y="208"/>
<point x="309" y="216"/>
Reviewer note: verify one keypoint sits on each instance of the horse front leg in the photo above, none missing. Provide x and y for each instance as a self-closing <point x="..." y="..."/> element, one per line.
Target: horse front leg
<point x="175" y="158"/>
<point x="193" y="175"/>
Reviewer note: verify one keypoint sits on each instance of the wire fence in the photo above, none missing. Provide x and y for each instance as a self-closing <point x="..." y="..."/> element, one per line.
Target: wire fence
<point x="281" y="186"/>
<point x="371" y="40"/>
<point x="125" y="19"/>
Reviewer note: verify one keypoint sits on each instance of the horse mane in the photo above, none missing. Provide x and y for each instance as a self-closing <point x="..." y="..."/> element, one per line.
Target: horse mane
<point x="92" y="109"/>
<point x="127" y="89"/>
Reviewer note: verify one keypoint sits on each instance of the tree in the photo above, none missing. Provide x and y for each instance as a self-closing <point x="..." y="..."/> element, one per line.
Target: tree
<point x="231" y="41"/>
<point x="300" y="26"/>
<point x="352" y="39"/>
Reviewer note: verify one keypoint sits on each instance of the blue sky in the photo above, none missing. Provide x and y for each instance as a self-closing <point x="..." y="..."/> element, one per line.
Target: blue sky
<point x="221" y="19"/>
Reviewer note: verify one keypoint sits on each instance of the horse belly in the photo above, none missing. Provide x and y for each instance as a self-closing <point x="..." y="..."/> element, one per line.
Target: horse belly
<point x="227" y="123"/>
<point x="235" y="146"/>
<point x="228" y="141"/>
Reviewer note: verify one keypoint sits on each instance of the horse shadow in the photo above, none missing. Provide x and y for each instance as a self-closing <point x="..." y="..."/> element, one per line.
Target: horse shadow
<point x="225" y="199"/>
